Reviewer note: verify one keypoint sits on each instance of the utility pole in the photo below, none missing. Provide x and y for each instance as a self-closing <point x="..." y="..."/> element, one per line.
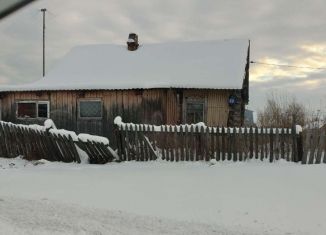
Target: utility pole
<point x="43" y="10"/>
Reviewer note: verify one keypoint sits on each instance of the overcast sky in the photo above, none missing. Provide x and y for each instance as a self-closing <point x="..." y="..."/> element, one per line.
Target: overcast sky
<point x="284" y="32"/>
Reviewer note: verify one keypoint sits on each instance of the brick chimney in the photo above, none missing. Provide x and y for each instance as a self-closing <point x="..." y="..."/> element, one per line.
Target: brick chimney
<point x="132" y="42"/>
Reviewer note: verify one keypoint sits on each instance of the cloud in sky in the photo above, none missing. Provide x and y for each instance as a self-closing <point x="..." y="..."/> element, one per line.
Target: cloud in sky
<point x="286" y="32"/>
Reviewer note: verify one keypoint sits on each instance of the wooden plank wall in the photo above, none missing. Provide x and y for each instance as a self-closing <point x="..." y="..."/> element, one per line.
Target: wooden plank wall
<point x="217" y="105"/>
<point x="172" y="108"/>
<point x="152" y="106"/>
<point x="217" y="108"/>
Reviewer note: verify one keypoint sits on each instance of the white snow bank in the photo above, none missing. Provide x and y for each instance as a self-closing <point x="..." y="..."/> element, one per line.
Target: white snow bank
<point x="246" y="198"/>
<point x="43" y="217"/>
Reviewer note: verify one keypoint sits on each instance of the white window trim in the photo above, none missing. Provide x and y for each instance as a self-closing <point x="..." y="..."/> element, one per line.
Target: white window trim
<point x="90" y="118"/>
<point x="37" y="102"/>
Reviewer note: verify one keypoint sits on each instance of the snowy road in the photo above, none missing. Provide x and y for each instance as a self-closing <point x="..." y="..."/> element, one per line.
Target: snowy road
<point x="48" y="217"/>
<point x="162" y="198"/>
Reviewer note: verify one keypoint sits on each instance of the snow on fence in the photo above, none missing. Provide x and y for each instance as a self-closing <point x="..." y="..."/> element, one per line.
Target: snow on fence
<point x="36" y="142"/>
<point x="195" y="142"/>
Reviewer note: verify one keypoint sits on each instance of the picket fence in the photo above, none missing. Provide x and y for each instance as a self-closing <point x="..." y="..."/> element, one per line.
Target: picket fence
<point x="142" y="142"/>
<point x="195" y="142"/>
<point x="36" y="144"/>
<point x="314" y="140"/>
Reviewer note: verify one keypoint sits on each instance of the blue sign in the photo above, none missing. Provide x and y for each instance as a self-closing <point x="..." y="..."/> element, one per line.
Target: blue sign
<point x="233" y="100"/>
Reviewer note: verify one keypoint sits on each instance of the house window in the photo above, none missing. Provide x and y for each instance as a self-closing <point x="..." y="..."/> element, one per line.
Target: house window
<point x="194" y="112"/>
<point x="33" y="109"/>
<point x="90" y="109"/>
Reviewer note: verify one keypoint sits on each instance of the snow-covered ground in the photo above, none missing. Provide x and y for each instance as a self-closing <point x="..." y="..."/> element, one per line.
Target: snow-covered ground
<point x="162" y="198"/>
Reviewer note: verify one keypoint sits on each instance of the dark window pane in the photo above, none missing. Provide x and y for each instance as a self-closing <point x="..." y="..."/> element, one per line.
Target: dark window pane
<point x="195" y="112"/>
<point x="90" y="109"/>
<point x="43" y="110"/>
<point x="26" y="110"/>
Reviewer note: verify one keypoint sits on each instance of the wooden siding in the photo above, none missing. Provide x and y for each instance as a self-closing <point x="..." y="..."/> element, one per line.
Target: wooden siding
<point x="153" y="106"/>
<point x="217" y="108"/>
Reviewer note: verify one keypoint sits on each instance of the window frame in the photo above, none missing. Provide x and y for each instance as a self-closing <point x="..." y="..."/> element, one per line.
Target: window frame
<point x="194" y="100"/>
<point x="90" y="99"/>
<point x="36" y="102"/>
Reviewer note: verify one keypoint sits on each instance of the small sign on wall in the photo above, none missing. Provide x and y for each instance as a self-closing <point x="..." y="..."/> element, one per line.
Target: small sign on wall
<point x="233" y="100"/>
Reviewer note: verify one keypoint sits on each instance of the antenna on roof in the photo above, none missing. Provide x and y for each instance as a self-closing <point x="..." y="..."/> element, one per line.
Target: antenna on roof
<point x="43" y="10"/>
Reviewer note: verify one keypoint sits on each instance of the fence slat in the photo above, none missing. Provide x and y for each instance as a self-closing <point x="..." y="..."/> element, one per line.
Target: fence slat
<point x="183" y="144"/>
<point x="256" y="142"/>
<point x="217" y="138"/>
<point x="262" y="144"/>
<point x="251" y="143"/>
<point x="282" y="140"/>
<point x="271" y="145"/>
<point x="240" y="144"/>
<point x="277" y="144"/>
<point x="234" y="145"/>
<point x="223" y="144"/>
<point x="187" y="143"/>
<point x="162" y="136"/>
<point x="193" y="144"/>
<point x="319" y="148"/>
<point x="207" y="145"/>
<point x="175" y="149"/>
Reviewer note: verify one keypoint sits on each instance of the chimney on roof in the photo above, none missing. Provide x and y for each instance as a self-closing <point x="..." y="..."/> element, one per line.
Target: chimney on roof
<point x="132" y="42"/>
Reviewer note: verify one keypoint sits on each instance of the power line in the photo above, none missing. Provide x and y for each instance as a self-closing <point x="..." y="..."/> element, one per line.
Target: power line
<point x="285" y="65"/>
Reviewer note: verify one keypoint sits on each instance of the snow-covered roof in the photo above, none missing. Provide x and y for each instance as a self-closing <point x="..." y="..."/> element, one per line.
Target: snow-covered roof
<point x="203" y="64"/>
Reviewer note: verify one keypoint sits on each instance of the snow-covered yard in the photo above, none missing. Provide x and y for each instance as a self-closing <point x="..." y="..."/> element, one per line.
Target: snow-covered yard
<point x="162" y="198"/>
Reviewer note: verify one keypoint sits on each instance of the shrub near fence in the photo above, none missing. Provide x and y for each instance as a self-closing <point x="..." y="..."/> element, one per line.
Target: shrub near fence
<point x="199" y="142"/>
<point x="35" y="142"/>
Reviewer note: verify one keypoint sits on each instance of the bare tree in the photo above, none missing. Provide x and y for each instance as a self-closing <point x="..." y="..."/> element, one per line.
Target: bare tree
<point x="281" y="111"/>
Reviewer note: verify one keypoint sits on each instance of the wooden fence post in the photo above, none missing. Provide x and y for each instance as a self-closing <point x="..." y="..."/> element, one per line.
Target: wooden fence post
<point x="240" y="143"/>
<point x="323" y="143"/>
<point x="271" y="145"/>
<point x="218" y="145"/>
<point x="294" y="144"/>
<point x="223" y="143"/>
<point x="251" y="143"/>
<point x="119" y="140"/>
<point x="262" y="143"/>
<point x="300" y="146"/>
<point x="245" y="143"/>
<point x="162" y="142"/>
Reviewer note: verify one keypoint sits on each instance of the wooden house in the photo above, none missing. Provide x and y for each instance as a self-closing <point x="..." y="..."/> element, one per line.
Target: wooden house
<point x="164" y="83"/>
